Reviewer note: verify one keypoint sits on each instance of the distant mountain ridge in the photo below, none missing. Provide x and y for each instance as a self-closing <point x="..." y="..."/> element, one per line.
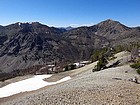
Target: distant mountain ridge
<point x="66" y="28"/>
<point x="23" y="45"/>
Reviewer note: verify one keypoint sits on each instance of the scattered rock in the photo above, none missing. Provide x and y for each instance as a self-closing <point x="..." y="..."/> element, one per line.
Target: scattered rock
<point x="135" y="79"/>
<point x="117" y="78"/>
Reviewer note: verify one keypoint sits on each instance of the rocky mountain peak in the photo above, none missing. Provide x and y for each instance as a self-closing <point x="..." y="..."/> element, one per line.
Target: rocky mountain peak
<point x="109" y="23"/>
<point x="109" y="28"/>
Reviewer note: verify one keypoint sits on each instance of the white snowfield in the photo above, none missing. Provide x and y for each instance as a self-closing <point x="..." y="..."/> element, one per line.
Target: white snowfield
<point x="30" y="84"/>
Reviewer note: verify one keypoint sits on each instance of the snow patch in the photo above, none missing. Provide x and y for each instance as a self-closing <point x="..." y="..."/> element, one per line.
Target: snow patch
<point x="19" y="23"/>
<point x="30" y="84"/>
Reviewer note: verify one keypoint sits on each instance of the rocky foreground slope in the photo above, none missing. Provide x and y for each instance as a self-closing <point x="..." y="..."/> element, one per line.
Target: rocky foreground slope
<point x="110" y="86"/>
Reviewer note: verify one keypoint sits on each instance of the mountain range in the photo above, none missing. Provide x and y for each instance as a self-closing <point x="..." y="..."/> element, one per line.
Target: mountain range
<point x="66" y="28"/>
<point x="24" y="45"/>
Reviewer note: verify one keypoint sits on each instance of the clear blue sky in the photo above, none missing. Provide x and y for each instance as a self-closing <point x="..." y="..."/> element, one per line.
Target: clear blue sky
<point x="69" y="12"/>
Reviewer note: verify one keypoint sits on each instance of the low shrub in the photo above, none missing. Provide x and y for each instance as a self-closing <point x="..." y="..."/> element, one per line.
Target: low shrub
<point x="66" y="68"/>
<point x="95" y="69"/>
<point x="138" y="71"/>
<point x="70" y="67"/>
<point x="135" y="65"/>
<point x="112" y="58"/>
<point x="101" y="64"/>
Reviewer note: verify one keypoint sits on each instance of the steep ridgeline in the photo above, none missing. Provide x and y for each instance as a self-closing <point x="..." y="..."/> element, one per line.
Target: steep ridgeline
<point x="23" y="45"/>
<point x="85" y="41"/>
<point x="107" y="33"/>
<point x="116" y="33"/>
<point x="26" y="44"/>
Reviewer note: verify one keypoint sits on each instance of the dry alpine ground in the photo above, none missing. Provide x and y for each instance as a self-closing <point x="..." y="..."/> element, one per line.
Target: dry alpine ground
<point x="107" y="87"/>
